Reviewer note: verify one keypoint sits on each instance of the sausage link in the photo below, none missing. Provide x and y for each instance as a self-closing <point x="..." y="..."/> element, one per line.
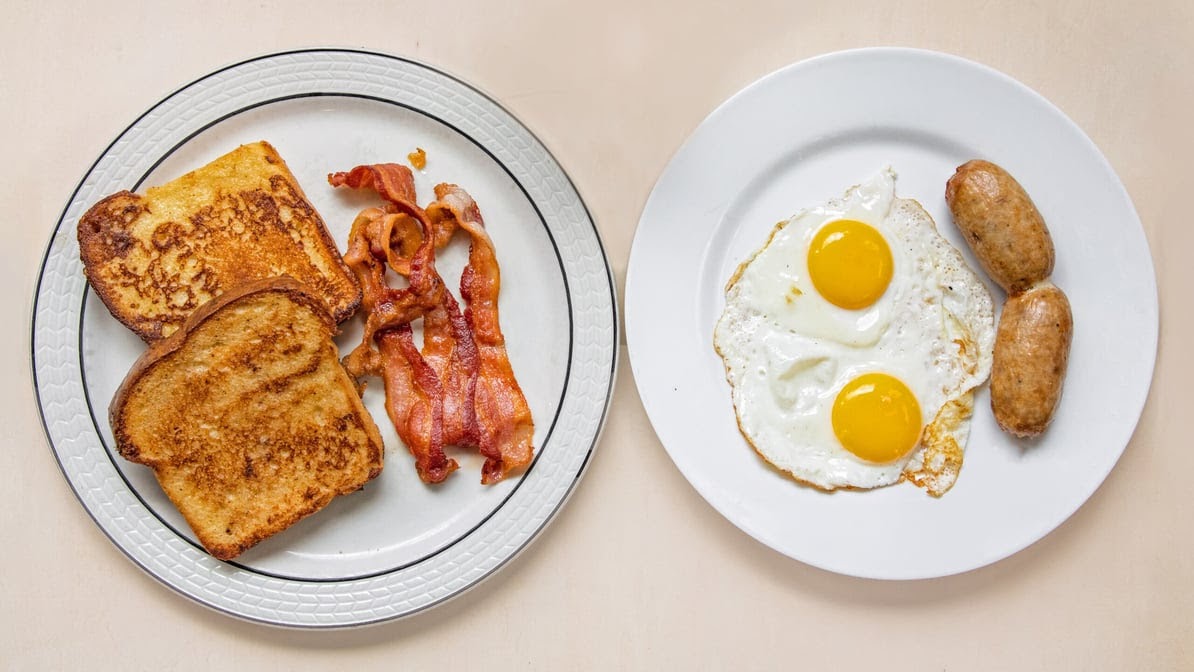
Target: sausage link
<point x="1001" y="224"/>
<point x="1032" y="348"/>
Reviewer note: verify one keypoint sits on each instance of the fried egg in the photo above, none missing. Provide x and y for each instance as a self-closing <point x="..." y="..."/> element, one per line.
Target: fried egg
<point x="853" y="340"/>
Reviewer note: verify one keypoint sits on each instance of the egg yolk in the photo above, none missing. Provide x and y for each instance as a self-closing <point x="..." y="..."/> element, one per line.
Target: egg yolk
<point x="877" y="418"/>
<point x="849" y="263"/>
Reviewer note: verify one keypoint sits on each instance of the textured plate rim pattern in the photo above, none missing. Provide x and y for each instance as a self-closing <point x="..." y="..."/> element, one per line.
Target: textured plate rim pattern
<point x="262" y="598"/>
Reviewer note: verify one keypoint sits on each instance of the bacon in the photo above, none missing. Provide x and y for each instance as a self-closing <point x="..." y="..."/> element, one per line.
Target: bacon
<point x="460" y="390"/>
<point x="503" y="416"/>
<point x="414" y="394"/>
<point x="415" y="403"/>
<point x="388" y="235"/>
<point x="393" y="182"/>
<point x="450" y="351"/>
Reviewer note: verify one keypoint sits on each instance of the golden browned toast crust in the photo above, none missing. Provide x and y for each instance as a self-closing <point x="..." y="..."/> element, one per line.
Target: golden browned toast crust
<point x="154" y="259"/>
<point x="247" y="417"/>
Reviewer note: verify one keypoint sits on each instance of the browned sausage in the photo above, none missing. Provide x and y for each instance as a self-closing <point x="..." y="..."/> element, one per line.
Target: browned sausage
<point x="1001" y="225"/>
<point x="1032" y="347"/>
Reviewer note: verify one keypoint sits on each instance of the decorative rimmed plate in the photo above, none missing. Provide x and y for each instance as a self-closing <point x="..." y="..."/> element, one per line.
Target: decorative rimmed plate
<point x="397" y="547"/>
<point x="803" y="135"/>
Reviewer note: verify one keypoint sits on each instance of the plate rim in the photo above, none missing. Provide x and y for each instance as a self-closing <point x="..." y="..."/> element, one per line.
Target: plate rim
<point x="610" y="285"/>
<point x="632" y="326"/>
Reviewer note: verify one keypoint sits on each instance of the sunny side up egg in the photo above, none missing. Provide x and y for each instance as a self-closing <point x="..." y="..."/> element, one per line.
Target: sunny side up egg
<point x="853" y="341"/>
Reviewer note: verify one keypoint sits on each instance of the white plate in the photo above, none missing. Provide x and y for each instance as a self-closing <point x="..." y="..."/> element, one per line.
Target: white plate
<point x="398" y="546"/>
<point x="805" y="133"/>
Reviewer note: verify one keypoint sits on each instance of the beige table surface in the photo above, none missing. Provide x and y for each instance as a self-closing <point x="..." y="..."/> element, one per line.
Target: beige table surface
<point x="637" y="572"/>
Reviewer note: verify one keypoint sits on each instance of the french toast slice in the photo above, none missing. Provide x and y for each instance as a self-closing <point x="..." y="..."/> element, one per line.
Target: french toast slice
<point x="154" y="259"/>
<point x="247" y="417"/>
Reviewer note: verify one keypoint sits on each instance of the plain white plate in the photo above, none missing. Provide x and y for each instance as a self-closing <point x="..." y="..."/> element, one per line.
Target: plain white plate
<point x="804" y="134"/>
<point x="397" y="546"/>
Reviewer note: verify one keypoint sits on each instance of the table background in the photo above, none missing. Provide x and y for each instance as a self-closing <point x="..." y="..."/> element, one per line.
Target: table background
<point x="637" y="572"/>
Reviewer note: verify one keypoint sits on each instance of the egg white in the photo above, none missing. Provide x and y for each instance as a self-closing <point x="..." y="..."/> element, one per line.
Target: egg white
<point x="788" y="352"/>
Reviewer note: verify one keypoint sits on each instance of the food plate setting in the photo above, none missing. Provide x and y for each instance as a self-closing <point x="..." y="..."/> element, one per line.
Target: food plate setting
<point x="397" y="546"/>
<point x="800" y="138"/>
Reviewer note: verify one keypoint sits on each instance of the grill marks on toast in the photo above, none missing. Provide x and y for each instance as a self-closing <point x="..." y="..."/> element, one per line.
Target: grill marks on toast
<point x="247" y="417"/>
<point x="154" y="259"/>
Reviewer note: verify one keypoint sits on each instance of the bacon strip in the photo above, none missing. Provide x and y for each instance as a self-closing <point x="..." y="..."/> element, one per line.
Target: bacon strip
<point x="450" y="351"/>
<point x="460" y="390"/>
<point x="415" y="397"/>
<point x="503" y="416"/>
<point x="415" y="403"/>
<point x="392" y="181"/>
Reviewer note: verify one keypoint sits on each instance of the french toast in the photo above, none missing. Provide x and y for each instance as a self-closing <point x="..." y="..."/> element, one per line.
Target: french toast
<point x="154" y="259"/>
<point x="247" y="417"/>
